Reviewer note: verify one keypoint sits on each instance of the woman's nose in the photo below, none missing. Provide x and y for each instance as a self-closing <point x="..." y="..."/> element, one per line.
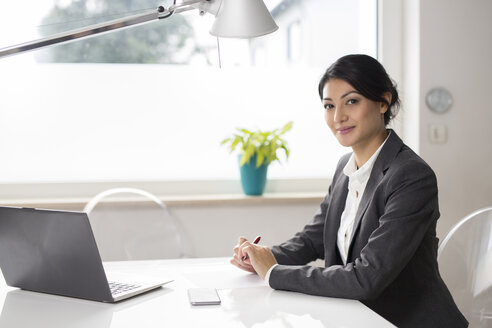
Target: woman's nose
<point x="339" y="115"/>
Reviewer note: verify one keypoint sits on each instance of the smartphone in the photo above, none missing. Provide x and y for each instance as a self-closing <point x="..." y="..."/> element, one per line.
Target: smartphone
<point x="203" y="296"/>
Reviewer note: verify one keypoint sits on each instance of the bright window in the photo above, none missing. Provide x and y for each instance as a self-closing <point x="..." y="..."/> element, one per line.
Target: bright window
<point x="156" y="107"/>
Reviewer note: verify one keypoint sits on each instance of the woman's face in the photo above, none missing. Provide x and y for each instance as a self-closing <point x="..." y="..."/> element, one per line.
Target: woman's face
<point x="354" y="119"/>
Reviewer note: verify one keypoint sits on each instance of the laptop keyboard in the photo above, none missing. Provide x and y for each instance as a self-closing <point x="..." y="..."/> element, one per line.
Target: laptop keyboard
<point x="118" y="287"/>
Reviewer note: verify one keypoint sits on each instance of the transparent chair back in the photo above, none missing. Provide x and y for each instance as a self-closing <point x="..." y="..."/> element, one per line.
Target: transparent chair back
<point x="132" y="224"/>
<point x="465" y="264"/>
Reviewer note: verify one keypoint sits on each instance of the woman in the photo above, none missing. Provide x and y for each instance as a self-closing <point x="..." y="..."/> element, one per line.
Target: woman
<point x="376" y="227"/>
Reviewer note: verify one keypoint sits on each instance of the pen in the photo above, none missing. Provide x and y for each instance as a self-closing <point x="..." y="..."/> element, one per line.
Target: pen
<point x="256" y="241"/>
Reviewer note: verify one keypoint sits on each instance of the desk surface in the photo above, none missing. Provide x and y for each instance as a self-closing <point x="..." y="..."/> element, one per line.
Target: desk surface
<point x="246" y="302"/>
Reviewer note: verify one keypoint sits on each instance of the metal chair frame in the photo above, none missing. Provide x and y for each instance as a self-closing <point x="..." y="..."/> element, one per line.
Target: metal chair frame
<point x="89" y="207"/>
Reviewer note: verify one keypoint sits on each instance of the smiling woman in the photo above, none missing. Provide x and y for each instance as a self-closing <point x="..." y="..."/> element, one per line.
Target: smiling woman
<point x="356" y="121"/>
<point x="376" y="227"/>
<point x="357" y="110"/>
<point x="95" y="112"/>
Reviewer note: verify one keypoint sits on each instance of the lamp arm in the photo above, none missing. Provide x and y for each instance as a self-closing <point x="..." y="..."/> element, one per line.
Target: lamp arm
<point x="100" y="28"/>
<point x="185" y="5"/>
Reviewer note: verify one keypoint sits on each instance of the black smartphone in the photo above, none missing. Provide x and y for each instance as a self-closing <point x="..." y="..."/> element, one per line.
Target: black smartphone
<point x="203" y="296"/>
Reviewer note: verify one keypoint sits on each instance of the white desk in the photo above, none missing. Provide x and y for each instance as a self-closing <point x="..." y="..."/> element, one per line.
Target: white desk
<point x="246" y="302"/>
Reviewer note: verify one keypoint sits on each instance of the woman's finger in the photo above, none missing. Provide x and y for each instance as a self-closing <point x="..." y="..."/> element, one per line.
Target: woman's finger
<point x="242" y="253"/>
<point x="241" y="265"/>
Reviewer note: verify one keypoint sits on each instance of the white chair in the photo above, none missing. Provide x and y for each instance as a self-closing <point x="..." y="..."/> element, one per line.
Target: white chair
<point x="133" y="224"/>
<point x="465" y="263"/>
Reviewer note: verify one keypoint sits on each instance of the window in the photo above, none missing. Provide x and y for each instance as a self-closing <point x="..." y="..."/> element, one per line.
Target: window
<point x="156" y="106"/>
<point x="294" y="42"/>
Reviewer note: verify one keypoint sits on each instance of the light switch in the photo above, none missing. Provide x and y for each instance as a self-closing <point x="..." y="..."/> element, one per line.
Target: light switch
<point x="438" y="133"/>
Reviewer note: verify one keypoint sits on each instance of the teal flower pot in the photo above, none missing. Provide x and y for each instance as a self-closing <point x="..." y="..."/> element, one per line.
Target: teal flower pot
<point x="253" y="179"/>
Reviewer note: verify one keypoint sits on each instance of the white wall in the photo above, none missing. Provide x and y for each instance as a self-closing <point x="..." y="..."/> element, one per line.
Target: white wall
<point x="213" y="231"/>
<point x="456" y="53"/>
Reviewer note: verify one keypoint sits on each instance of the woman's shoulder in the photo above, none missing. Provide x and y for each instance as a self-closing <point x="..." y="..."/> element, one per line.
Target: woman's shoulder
<point x="409" y="157"/>
<point x="396" y="155"/>
<point x="409" y="164"/>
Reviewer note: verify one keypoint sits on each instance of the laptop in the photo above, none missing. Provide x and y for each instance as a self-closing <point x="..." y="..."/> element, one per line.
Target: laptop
<point x="55" y="252"/>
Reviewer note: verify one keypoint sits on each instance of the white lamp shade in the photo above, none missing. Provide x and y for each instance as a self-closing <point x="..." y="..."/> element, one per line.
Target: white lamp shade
<point x="243" y="19"/>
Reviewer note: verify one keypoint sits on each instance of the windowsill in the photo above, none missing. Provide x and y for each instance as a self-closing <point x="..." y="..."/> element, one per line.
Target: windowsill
<point x="74" y="196"/>
<point x="179" y="201"/>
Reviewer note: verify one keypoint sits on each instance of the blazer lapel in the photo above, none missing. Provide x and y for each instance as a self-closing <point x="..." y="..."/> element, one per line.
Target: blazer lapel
<point x="366" y="198"/>
<point x="386" y="156"/>
<point x="332" y="223"/>
<point x="338" y="202"/>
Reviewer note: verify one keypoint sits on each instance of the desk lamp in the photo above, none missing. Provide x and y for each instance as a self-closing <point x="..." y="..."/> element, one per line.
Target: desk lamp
<point x="233" y="19"/>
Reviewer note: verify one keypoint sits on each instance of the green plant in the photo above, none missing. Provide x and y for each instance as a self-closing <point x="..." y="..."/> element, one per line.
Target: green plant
<point x="264" y="144"/>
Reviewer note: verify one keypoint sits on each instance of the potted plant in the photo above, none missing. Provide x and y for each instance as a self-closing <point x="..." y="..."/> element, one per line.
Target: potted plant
<point x="257" y="150"/>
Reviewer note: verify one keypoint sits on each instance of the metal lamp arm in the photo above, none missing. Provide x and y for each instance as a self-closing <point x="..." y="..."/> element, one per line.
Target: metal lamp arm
<point x="100" y="28"/>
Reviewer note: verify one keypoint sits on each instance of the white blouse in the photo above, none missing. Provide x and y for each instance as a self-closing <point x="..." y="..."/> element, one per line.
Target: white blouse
<point x="357" y="184"/>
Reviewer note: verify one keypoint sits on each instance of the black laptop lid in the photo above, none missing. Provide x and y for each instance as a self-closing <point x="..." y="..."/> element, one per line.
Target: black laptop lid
<point x="52" y="252"/>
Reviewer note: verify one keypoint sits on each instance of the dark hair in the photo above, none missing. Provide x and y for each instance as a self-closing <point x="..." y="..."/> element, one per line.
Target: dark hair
<point x="368" y="77"/>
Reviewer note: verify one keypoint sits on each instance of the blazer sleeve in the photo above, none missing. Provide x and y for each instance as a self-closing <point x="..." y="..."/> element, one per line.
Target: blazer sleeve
<point x="410" y="195"/>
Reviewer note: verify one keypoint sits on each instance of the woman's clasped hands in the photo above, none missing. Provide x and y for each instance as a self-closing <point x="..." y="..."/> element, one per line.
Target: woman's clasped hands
<point x="260" y="258"/>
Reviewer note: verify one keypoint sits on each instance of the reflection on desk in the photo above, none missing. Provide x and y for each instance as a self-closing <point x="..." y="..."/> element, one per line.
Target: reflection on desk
<point x="246" y="302"/>
<point x="30" y="309"/>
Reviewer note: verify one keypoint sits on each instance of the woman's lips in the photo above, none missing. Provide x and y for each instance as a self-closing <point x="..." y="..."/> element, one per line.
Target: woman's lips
<point x="345" y="130"/>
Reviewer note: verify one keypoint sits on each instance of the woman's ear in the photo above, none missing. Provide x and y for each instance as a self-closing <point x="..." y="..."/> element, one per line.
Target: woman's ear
<point x="385" y="104"/>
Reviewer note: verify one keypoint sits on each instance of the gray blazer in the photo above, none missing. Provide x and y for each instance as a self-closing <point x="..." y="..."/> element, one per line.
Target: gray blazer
<point x="392" y="259"/>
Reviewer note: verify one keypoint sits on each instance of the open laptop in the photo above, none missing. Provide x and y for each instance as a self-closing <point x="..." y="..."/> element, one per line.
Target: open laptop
<point x="55" y="252"/>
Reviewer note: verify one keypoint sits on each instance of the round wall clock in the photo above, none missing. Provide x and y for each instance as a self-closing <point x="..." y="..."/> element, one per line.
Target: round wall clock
<point x="439" y="100"/>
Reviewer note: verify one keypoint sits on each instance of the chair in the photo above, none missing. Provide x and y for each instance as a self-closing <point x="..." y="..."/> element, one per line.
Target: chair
<point x="133" y="224"/>
<point x="465" y="261"/>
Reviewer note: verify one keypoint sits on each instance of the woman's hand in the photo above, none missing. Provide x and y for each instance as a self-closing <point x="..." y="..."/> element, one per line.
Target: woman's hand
<point x="260" y="258"/>
<point x="238" y="256"/>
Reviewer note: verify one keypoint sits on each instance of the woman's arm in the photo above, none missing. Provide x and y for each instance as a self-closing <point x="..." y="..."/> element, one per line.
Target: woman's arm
<point x="303" y="248"/>
<point x="411" y="207"/>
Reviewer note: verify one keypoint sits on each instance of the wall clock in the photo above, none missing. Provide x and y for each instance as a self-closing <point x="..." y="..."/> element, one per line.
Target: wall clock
<point x="439" y="100"/>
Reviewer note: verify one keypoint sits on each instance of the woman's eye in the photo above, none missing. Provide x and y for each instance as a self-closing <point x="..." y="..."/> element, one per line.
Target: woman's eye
<point x="329" y="106"/>
<point x="352" y="101"/>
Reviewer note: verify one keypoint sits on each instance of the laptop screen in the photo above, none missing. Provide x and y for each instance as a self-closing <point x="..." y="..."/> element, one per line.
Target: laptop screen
<point x="51" y="251"/>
